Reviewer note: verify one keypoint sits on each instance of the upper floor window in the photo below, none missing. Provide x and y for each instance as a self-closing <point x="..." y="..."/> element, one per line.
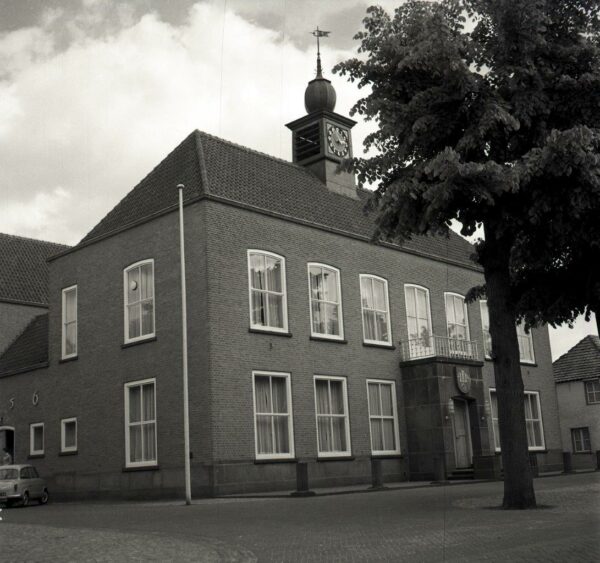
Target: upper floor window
<point x="525" y="339"/>
<point x="69" y="322"/>
<point x="418" y="320"/>
<point x="325" y="301"/>
<point x="592" y="391"/>
<point x="485" y="327"/>
<point x="333" y="430"/>
<point x="456" y="316"/>
<point x="375" y="310"/>
<point x="139" y="301"/>
<point x="383" y="417"/>
<point x="268" y="301"/>
<point x="140" y="423"/>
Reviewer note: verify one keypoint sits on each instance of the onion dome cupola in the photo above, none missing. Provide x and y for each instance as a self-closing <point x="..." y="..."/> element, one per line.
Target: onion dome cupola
<point x="322" y="138"/>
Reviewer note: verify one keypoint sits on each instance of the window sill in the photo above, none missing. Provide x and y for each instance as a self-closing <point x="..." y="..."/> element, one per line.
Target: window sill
<point x="136" y="342"/>
<point x="141" y="468"/>
<point x="382" y="345"/>
<point x="387" y="456"/>
<point x="270" y="332"/>
<point x="529" y="364"/>
<point x="336" y="458"/>
<point x="36" y="456"/>
<point x="587" y="452"/>
<point x="325" y="339"/>
<point x="286" y="460"/>
<point x="69" y="359"/>
<point x="73" y="452"/>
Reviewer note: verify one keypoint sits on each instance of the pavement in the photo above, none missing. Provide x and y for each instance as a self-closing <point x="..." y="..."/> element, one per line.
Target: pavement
<point x="461" y="522"/>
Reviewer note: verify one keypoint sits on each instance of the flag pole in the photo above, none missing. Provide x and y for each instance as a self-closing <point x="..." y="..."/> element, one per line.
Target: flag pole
<point x="186" y="412"/>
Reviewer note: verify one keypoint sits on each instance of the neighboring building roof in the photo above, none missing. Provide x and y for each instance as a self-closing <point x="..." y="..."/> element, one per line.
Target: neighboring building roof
<point x="29" y="350"/>
<point x="217" y="169"/>
<point x="580" y="362"/>
<point x="24" y="269"/>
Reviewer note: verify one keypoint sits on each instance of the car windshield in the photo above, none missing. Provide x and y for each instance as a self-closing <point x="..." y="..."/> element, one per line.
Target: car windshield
<point x="6" y="474"/>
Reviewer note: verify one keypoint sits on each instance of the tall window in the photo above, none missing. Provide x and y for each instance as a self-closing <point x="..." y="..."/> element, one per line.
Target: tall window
<point x="533" y="420"/>
<point x="36" y="438"/>
<point x="69" y="322"/>
<point x="383" y="417"/>
<point x="456" y="317"/>
<point x="68" y="435"/>
<point x="139" y="301"/>
<point x="140" y="423"/>
<point x="325" y="301"/>
<point x="333" y="430"/>
<point x="418" y="320"/>
<point x="266" y="280"/>
<point x="581" y="440"/>
<point x="273" y="415"/>
<point x="592" y="391"/>
<point x="485" y="327"/>
<point x="375" y="310"/>
<point x="525" y="345"/>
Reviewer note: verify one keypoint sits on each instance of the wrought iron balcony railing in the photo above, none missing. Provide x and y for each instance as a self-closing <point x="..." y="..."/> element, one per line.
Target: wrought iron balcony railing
<point x="440" y="346"/>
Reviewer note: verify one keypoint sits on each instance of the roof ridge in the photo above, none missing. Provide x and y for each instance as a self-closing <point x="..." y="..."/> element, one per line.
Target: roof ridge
<point x="34" y="239"/>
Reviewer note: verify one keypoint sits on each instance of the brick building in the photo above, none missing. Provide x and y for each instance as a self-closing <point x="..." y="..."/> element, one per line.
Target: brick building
<point x="306" y="340"/>
<point x="577" y="377"/>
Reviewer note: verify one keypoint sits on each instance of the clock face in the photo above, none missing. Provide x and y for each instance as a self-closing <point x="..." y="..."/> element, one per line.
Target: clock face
<point x="337" y="140"/>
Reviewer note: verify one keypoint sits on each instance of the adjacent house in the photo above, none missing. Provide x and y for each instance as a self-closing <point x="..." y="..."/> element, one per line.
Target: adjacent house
<point x="577" y="378"/>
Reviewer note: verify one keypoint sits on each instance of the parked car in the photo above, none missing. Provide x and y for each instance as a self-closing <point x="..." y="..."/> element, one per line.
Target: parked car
<point x="21" y="484"/>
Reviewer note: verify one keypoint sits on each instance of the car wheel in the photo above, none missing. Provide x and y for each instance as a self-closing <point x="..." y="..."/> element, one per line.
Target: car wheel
<point x="44" y="497"/>
<point x="25" y="499"/>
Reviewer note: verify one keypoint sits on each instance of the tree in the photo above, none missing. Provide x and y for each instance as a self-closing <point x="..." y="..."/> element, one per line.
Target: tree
<point x="489" y="113"/>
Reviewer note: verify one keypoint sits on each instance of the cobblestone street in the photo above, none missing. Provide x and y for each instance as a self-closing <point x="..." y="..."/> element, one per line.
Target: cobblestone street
<point x="453" y="523"/>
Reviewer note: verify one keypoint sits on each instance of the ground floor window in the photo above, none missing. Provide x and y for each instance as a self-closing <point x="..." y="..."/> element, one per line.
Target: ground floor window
<point x="383" y="417"/>
<point x="140" y="423"/>
<point x="273" y="426"/>
<point x="533" y="420"/>
<point x="68" y="435"/>
<point x="333" y="430"/>
<point x="581" y="440"/>
<point x="36" y="438"/>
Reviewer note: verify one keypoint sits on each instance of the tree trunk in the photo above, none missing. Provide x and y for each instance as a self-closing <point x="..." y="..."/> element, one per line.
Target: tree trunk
<point x="518" y="480"/>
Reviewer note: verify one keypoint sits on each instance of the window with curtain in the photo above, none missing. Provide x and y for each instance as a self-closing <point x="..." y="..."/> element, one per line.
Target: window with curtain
<point x="266" y="276"/>
<point x="456" y="317"/>
<point x="139" y="301"/>
<point x="375" y="310"/>
<point x="140" y="421"/>
<point x="418" y="320"/>
<point x="525" y="345"/>
<point x="581" y="440"/>
<point x="325" y="301"/>
<point x="273" y="415"/>
<point x="68" y="435"/>
<point x="333" y="431"/>
<point x="592" y="391"/>
<point x="36" y="438"/>
<point x="69" y="322"/>
<point x="533" y="420"/>
<point x="383" y="417"/>
<point x="485" y="327"/>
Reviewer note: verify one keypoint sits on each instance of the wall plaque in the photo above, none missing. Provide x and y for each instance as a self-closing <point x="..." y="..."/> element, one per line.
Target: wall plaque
<point x="463" y="380"/>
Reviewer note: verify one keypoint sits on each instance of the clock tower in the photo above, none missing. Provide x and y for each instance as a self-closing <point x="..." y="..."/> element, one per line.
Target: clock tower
<point x="322" y="138"/>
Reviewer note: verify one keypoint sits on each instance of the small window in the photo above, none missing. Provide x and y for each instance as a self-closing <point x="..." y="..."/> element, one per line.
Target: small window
<point x="581" y="440"/>
<point x="383" y="417"/>
<point x="418" y="321"/>
<point x="140" y="423"/>
<point x="139" y="301"/>
<point x="592" y="391"/>
<point x="273" y="415"/>
<point x="36" y="439"/>
<point x="525" y="339"/>
<point x="68" y="435"/>
<point x="268" y="299"/>
<point x="485" y="327"/>
<point x="325" y="301"/>
<point x="69" y="322"/>
<point x="457" y="319"/>
<point x="375" y="310"/>
<point x="333" y="430"/>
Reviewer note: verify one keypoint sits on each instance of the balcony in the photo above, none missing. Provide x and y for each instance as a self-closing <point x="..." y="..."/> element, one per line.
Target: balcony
<point x="439" y="346"/>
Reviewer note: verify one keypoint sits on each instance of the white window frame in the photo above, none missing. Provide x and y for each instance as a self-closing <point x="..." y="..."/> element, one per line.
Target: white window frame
<point x="64" y="355"/>
<point x="63" y="423"/>
<point x="348" y="451"/>
<point x="541" y="421"/>
<point x="268" y="328"/>
<point x="126" y="307"/>
<point x="528" y="336"/>
<point x="411" y="286"/>
<point x="391" y="384"/>
<point x="290" y="415"/>
<point x="126" y="387"/>
<point x="450" y="294"/>
<point x="487" y="355"/>
<point x="32" y="428"/>
<point x="593" y="392"/>
<point x="386" y="311"/>
<point x="321" y="335"/>
<point x="580" y="430"/>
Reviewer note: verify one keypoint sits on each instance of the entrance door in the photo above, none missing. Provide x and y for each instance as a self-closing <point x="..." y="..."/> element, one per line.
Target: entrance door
<point x="462" y="435"/>
<point x="7" y="442"/>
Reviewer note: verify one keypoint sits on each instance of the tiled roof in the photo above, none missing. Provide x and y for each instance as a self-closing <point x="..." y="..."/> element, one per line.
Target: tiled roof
<point x="212" y="167"/>
<point x="580" y="362"/>
<point x="29" y="349"/>
<point x="24" y="270"/>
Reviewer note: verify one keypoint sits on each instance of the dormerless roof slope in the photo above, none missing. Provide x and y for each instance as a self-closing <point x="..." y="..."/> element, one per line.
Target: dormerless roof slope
<point x="216" y="169"/>
<point x="24" y="269"/>
<point x="29" y="350"/>
<point x="580" y="362"/>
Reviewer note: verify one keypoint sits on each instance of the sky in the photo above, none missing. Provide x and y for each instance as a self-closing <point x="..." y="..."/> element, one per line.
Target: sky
<point x="94" y="93"/>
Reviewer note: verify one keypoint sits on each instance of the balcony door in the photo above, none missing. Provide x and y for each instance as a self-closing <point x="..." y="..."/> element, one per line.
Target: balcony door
<point x="418" y="321"/>
<point x="463" y="450"/>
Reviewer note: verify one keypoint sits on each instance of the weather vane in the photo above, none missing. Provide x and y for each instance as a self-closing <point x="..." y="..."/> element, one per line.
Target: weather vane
<point x="318" y="33"/>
